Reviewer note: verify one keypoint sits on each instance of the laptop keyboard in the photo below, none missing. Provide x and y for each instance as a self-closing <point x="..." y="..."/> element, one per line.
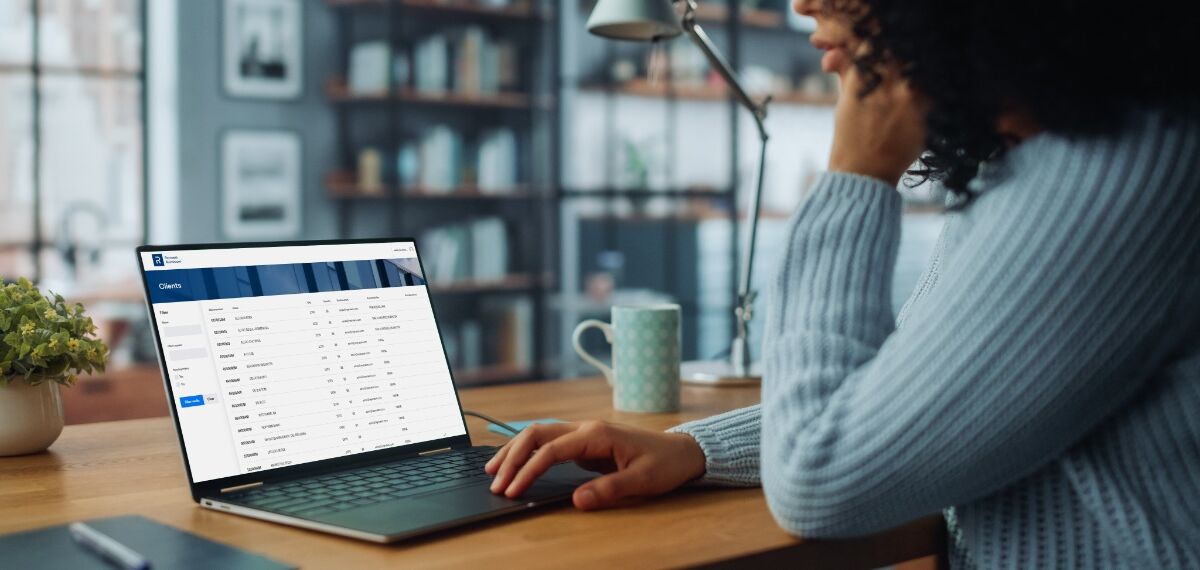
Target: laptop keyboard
<point x="345" y="490"/>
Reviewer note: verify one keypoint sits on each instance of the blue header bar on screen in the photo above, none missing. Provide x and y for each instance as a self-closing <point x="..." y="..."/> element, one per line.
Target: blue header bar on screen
<point x="206" y="284"/>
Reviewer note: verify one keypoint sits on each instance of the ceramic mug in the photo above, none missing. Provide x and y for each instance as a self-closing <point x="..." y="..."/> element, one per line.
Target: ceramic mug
<point x="645" y="354"/>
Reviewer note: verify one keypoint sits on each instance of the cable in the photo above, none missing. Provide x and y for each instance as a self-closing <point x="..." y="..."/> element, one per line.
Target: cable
<point x="493" y="421"/>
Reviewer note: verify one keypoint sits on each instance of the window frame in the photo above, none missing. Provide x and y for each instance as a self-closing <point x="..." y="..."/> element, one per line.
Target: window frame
<point x="36" y="244"/>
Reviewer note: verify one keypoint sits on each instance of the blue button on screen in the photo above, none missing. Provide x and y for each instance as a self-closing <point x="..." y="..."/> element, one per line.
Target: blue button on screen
<point x="189" y="401"/>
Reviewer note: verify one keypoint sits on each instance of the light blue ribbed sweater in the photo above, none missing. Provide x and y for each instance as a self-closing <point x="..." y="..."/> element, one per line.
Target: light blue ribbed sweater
<point x="1042" y="387"/>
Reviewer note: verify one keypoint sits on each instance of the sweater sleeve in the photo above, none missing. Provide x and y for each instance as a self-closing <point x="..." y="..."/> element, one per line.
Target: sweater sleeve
<point x="1052" y="310"/>
<point x="730" y="445"/>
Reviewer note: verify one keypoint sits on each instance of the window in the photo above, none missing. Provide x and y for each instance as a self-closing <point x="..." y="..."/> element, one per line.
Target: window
<point x="71" y="141"/>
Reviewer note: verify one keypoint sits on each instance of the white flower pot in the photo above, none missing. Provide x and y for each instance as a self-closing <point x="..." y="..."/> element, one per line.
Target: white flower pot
<point x="31" y="417"/>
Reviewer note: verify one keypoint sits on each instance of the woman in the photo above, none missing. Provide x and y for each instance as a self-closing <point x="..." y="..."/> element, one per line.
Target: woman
<point x="1042" y="386"/>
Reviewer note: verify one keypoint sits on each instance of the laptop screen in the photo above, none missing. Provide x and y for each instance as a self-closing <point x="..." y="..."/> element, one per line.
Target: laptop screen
<point x="278" y="356"/>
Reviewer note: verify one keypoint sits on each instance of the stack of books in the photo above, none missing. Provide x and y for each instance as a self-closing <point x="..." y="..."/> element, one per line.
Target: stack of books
<point x="465" y="60"/>
<point x="502" y="336"/>
<point x="473" y="251"/>
<point x="442" y="162"/>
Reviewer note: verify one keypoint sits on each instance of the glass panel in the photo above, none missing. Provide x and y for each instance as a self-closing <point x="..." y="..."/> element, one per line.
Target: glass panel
<point x="16" y="158"/>
<point x="16" y="33"/>
<point x="15" y="262"/>
<point x="94" y="34"/>
<point x="91" y="272"/>
<point x="91" y="169"/>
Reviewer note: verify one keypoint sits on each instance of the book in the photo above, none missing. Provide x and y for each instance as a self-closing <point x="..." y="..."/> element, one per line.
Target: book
<point x="163" y="546"/>
<point x="432" y="63"/>
<point x="489" y="249"/>
<point x="369" y="68"/>
<point x="408" y="164"/>
<point x="470" y="48"/>
<point x="509" y="324"/>
<point x="506" y="63"/>
<point x="370" y="171"/>
<point x="477" y="250"/>
<point x="440" y="158"/>
<point x="472" y="345"/>
<point x="496" y="170"/>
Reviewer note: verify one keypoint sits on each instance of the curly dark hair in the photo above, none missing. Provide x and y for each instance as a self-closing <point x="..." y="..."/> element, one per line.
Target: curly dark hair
<point x="1074" y="67"/>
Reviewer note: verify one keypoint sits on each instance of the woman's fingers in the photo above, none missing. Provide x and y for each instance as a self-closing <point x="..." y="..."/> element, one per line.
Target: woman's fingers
<point x="493" y="464"/>
<point x="575" y="445"/>
<point x="517" y="451"/>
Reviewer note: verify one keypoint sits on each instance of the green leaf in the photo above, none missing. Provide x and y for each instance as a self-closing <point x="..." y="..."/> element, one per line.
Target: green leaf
<point x="45" y="339"/>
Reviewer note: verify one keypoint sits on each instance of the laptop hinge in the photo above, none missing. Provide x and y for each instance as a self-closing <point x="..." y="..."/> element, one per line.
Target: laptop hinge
<point x="241" y="487"/>
<point x="433" y="451"/>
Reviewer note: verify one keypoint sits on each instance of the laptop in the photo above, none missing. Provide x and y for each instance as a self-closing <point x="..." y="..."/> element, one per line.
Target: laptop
<point x="309" y="386"/>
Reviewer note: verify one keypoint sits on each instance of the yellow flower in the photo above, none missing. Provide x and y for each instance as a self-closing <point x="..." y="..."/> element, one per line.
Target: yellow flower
<point x="52" y="344"/>
<point x="50" y="314"/>
<point x="91" y="354"/>
<point x="27" y="328"/>
<point x="73" y="344"/>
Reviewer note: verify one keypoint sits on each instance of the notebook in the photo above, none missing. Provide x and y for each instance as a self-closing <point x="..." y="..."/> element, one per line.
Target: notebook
<point x="163" y="546"/>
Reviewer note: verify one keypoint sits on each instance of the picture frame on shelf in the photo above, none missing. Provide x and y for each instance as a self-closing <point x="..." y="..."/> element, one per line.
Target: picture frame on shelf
<point x="261" y="184"/>
<point x="263" y="49"/>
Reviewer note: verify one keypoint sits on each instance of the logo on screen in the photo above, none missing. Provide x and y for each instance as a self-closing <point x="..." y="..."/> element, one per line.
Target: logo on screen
<point x="157" y="259"/>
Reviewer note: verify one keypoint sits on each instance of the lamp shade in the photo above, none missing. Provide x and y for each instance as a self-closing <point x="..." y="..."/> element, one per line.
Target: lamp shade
<point x="634" y="20"/>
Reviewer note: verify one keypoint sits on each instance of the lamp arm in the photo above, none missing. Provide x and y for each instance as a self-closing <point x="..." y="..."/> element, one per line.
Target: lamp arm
<point x="740" y="351"/>
<point x="699" y="37"/>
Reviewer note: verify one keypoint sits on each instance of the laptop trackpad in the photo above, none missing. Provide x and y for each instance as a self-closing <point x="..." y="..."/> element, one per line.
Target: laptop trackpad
<point x="439" y="509"/>
<point x="481" y="495"/>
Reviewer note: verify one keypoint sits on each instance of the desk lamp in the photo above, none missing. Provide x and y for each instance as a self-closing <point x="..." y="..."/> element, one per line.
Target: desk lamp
<point x="650" y="21"/>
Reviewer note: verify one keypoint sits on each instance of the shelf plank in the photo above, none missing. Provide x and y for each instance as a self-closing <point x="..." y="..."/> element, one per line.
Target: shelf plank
<point x="647" y="89"/>
<point x="338" y="92"/>
<point x="750" y="17"/>
<point x="646" y="193"/>
<point x="518" y="10"/>
<point x="512" y="283"/>
<point x="343" y="186"/>
<point x="465" y="193"/>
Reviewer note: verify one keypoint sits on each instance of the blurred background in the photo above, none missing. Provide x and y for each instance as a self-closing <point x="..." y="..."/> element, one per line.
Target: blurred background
<point x="548" y="174"/>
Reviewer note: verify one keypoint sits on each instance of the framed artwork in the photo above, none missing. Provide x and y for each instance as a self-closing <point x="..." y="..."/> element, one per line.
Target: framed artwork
<point x="261" y="185"/>
<point x="263" y="48"/>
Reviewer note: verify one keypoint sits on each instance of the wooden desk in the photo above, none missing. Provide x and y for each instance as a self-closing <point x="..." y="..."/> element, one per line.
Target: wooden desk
<point x="134" y="467"/>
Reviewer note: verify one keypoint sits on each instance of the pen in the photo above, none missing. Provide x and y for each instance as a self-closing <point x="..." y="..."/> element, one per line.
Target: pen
<point x="105" y="547"/>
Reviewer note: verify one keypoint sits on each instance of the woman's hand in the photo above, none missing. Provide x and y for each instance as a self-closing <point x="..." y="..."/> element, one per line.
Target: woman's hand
<point x="879" y="135"/>
<point x="636" y="462"/>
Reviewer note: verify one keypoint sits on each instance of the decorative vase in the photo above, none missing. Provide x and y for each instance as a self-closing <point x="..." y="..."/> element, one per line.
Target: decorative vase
<point x="31" y="417"/>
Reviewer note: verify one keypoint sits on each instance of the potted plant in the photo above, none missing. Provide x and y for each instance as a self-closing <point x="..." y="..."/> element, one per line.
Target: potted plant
<point x="44" y="344"/>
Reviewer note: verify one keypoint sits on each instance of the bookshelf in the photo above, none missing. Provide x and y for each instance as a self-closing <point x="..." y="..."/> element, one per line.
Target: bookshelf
<point x="442" y="107"/>
<point x="556" y="226"/>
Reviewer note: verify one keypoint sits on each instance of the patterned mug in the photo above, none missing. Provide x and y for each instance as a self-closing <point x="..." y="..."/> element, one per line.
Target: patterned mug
<point x="645" y="354"/>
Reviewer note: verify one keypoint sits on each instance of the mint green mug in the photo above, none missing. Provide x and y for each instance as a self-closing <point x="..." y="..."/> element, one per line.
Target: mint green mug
<point x="645" y="354"/>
